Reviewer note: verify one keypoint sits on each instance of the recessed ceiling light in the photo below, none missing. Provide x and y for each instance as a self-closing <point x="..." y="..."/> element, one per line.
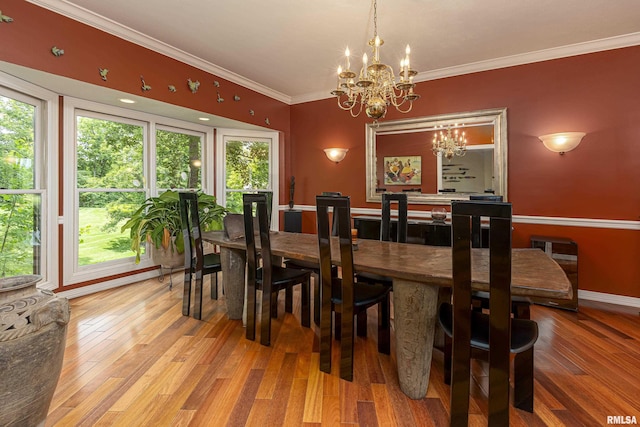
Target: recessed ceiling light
<point x="204" y="119"/>
<point x="127" y="101"/>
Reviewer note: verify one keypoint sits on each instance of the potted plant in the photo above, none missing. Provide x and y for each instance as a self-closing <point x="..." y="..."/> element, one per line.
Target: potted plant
<point x="158" y="221"/>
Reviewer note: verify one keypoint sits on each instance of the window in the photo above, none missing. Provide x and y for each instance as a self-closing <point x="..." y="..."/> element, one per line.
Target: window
<point x="121" y="157"/>
<point x="27" y="165"/>
<point x="109" y="184"/>
<point x="178" y="159"/>
<point x="249" y="162"/>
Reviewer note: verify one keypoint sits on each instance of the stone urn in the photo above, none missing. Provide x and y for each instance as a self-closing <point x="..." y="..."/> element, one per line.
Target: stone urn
<point x="33" y="329"/>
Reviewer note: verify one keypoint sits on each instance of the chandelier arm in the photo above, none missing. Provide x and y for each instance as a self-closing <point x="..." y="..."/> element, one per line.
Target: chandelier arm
<point x="359" y="111"/>
<point x="395" y="103"/>
<point x="340" y="104"/>
<point x="407" y="110"/>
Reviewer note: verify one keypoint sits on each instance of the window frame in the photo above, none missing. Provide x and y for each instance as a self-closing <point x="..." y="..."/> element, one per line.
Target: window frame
<point x="45" y="168"/>
<point x="222" y="134"/>
<point x="72" y="272"/>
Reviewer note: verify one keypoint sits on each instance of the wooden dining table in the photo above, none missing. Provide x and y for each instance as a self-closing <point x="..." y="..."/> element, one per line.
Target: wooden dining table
<point x="418" y="273"/>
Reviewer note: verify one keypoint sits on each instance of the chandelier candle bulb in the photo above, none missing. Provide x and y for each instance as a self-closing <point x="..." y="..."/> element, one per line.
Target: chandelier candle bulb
<point x="347" y="53"/>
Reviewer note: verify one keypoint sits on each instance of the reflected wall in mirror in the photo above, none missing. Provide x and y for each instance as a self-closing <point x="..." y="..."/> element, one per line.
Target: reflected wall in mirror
<point x="400" y="158"/>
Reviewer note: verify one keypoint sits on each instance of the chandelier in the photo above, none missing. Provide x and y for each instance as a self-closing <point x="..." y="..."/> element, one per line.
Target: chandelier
<point x="375" y="87"/>
<point x="449" y="144"/>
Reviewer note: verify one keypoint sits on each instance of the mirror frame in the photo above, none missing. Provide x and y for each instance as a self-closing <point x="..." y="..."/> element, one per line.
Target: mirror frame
<point x="496" y="117"/>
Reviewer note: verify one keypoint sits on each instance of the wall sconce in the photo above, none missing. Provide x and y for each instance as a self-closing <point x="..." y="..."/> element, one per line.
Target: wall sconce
<point x="336" y="154"/>
<point x="562" y="142"/>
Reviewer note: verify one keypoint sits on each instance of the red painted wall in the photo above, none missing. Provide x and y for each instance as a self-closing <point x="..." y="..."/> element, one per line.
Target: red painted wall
<point x="595" y="93"/>
<point x="28" y="40"/>
<point x="34" y="31"/>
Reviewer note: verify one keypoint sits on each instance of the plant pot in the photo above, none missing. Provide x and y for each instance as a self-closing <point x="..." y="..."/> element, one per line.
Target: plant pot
<point x="167" y="258"/>
<point x="33" y="330"/>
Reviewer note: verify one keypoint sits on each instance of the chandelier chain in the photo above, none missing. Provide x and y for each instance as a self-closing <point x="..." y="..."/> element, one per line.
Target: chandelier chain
<point x="375" y="19"/>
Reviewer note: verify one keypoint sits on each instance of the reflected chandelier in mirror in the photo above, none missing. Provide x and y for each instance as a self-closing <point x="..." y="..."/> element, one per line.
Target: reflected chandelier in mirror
<point x="400" y="157"/>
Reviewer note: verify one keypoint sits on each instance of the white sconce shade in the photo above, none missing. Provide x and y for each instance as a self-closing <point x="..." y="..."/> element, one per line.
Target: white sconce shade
<point x="336" y="154"/>
<point x="562" y="142"/>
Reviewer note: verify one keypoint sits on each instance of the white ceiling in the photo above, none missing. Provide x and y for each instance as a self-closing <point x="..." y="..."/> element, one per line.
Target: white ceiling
<point x="290" y="49"/>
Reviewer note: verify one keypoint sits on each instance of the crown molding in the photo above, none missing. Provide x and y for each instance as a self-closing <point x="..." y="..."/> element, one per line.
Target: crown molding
<point x="77" y="13"/>
<point x="582" y="48"/>
<point x="617" y="42"/>
<point x="92" y="19"/>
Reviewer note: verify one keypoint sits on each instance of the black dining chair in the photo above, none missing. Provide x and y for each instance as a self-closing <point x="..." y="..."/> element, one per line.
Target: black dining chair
<point x="385" y="232"/>
<point x="270" y="278"/>
<point x="495" y="332"/>
<point x="314" y="267"/>
<point x="520" y="306"/>
<point x="343" y="296"/>
<point x="385" y="236"/>
<point x="196" y="263"/>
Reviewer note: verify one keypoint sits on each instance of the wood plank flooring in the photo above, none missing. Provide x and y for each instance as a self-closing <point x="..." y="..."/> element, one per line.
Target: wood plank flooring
<point x="132" y="359"/>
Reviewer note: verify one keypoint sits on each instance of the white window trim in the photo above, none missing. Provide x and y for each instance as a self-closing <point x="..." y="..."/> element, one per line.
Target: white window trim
<point x="47" y="149"/>
<point x="274" y="166"/>
<point x="72" y="273"/>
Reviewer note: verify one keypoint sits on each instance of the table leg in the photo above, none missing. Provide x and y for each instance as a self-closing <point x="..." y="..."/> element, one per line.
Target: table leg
<point x="415" y="306"/>
<point x="233" y="269"/>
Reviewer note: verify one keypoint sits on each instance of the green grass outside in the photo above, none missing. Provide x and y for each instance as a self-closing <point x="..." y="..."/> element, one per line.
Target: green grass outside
<point x="97" y="244"/>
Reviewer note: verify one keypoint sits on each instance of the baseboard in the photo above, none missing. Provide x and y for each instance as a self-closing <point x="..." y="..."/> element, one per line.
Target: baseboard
<point x="87" y="290"/>
<point x="102" y="286"/>
<point x="609" y="298"/>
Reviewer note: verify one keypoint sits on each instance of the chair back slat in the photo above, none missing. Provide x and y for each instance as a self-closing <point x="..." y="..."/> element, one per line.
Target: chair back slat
<point x="499" y="214"/>
<point x="193" y="252"/>
<point x="476" y="224"/>
<point x="402" y="228"/>
<point x="260" y="201"/>
<point x="342" y="217"/>
<point x="334" y="219"/>
<point x="191" y="232"/>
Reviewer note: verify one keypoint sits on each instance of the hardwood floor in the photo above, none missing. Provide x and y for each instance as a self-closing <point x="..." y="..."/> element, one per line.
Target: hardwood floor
<point x="132" y="359"/>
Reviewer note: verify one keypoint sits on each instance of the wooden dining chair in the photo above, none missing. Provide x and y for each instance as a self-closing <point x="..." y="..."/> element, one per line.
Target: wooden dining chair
<point x="269" y="278"/>
<point x="385" y="235"/>
<point x="196" y="263"/>
<point x="520" y="306"/>
<point x="385" y="232"/>
<point x="343" y="296"/>
<point x="496" y="331"/>
<point x="314" y="267"/>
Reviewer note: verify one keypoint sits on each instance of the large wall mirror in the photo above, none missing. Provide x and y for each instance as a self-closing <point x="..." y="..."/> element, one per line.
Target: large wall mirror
<point x="400" y="158"/>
